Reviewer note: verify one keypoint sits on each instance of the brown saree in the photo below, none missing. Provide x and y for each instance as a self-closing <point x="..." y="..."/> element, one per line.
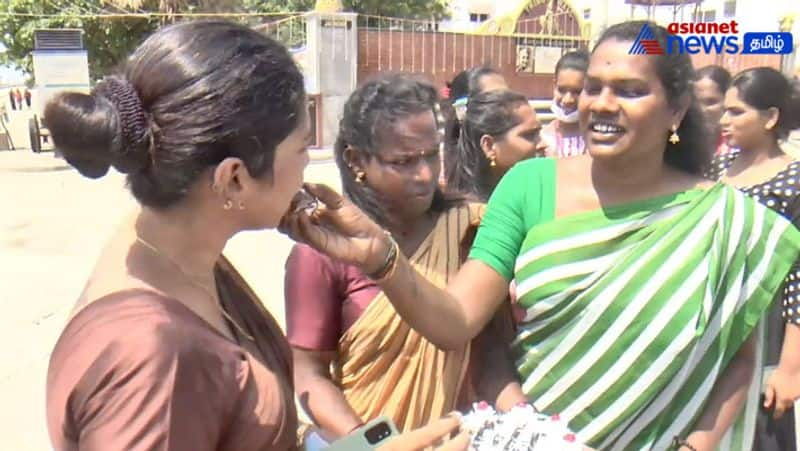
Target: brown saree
<point x="385" y="367"/>
<point x="138" y="370"/>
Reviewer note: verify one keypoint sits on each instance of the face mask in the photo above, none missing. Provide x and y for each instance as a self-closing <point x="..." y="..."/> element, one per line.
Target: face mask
<point x="561" y="116"/>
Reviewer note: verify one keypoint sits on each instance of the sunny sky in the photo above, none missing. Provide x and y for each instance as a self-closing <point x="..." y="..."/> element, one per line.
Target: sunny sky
<point x="9" y="75"/>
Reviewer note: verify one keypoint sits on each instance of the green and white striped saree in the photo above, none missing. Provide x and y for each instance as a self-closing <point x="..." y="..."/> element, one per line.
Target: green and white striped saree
<point x="634" y="312"/>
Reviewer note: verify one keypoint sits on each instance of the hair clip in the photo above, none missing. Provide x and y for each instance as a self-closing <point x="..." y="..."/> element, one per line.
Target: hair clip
<point x="461" y="101"/>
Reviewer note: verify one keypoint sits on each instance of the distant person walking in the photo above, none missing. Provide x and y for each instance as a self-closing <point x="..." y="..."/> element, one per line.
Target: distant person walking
<point x="12" y="99"/>
<point x="27" y="96"/>
<point x="18" y="98"/>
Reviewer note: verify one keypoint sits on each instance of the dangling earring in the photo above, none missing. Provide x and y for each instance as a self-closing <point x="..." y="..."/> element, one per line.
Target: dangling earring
<point x="492" y="160"/>
<point x="674" y="138"/>
<point x="360" y="176"/>
<point x="228" y="204"/>
<point x="241" y="205"/>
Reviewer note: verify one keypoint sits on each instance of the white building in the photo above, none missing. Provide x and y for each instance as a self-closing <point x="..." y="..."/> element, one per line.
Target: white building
<point x="596" y="15"/>
<point x="752" y="15"/>
<point x="467" y="15"/>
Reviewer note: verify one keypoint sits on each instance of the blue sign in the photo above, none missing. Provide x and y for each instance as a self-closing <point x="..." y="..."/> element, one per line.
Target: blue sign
<point x="767" y="43"/>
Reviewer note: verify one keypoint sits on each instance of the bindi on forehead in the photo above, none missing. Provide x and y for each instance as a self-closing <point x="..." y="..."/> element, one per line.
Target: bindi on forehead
<point x="395" y="154"/>
<point x="410" y="145"/>
<point x="623" y="73"/>
<point x="617" y="53"/>
<point x="413" y="125"/>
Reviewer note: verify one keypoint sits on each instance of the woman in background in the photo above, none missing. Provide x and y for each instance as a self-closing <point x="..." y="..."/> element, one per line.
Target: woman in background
<point x="710" y="85"/>
<point x="499" y="129"/>
<point x="563" y="136"/>
<point x="761" y="108"/>
<point x="467" y="83"/>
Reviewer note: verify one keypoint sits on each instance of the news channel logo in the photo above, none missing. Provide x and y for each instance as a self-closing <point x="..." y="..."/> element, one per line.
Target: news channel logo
<point x="711" y="38"/>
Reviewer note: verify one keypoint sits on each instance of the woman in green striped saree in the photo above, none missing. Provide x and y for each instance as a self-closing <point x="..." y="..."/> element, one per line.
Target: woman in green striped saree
<point x="642" y="283"/>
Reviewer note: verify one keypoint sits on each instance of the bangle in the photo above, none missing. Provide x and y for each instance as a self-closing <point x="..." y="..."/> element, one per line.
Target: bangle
<point x="388" y="267"/>
<point x="678" y="443"/>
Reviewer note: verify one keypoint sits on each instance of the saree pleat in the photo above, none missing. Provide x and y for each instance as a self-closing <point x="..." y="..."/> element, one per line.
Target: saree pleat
<point x="634" y="312"/>
<point x="384" y="366"/>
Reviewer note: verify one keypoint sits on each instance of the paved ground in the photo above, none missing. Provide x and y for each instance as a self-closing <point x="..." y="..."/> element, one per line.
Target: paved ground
<point x="52" y="225"/>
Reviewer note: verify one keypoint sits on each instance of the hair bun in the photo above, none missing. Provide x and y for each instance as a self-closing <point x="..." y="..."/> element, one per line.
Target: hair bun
<point x="131" y="150"/>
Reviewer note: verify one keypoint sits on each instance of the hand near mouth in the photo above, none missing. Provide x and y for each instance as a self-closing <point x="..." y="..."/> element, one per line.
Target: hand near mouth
<point x="303" y="201"/>
<point x="338" y="228"/>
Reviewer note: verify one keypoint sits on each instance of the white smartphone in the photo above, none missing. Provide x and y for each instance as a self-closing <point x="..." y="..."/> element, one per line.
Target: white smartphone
<point x="367" y="437"/>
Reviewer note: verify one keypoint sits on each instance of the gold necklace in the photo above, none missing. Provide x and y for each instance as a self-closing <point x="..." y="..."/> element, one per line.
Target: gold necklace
<point x="225" y="314"/>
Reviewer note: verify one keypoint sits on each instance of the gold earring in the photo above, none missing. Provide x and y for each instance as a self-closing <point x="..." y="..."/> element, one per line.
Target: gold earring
<point x="241" y="205"/>
<point x="360" y="176"/>
<point x="228" y="204"/>
<point x="492" y="160"/>
<point x="674" y="138"/>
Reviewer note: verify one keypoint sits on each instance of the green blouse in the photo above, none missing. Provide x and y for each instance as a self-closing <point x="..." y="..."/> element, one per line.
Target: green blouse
<point x="525" y="197"/>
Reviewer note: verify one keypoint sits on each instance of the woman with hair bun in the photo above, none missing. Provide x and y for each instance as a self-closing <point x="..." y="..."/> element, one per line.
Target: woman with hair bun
<point x="761" y="108"/>
<point x="167" y="347"/>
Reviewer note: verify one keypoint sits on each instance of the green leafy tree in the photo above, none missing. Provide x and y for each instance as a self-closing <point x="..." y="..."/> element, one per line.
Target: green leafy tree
<point x="409" y="9"/>
<point x="108" y="40"/>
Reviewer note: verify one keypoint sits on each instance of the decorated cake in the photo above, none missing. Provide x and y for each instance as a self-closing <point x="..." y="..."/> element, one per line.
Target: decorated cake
<point x="519" y="429"/>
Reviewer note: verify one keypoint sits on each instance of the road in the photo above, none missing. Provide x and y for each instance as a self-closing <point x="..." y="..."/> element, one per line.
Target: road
<point x="53" y="223"/>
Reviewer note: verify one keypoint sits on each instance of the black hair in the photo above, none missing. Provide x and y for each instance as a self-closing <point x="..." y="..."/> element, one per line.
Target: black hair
<point x="576" y="60"/>
<point x="676" y="73"/>
<point x="718" y="74"/>
<point x="488" y="113"/>
<point x="764" y="88"/>
<point x="465" y="85"/>
<point x="190" y="96"/>
<point x="374" y="106"/>
<point x="467" y="82"/>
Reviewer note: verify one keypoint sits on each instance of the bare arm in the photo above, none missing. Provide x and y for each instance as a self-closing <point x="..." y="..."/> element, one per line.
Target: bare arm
<point x="790" y="351"/>
<point x="321" y="398"/>
<point x="728" y="398"/>
<point x="341" y="230"/>
<point x="468" y="303"/>
<point x="783" y="386"/>
<point x="495" y="376"/>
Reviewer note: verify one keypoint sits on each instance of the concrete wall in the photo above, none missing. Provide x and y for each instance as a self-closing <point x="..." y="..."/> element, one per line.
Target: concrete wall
<point x="331" y="65"/>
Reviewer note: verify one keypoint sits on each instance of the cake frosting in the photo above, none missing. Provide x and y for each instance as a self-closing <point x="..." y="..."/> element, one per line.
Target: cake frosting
<point x="519" y="429"/>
